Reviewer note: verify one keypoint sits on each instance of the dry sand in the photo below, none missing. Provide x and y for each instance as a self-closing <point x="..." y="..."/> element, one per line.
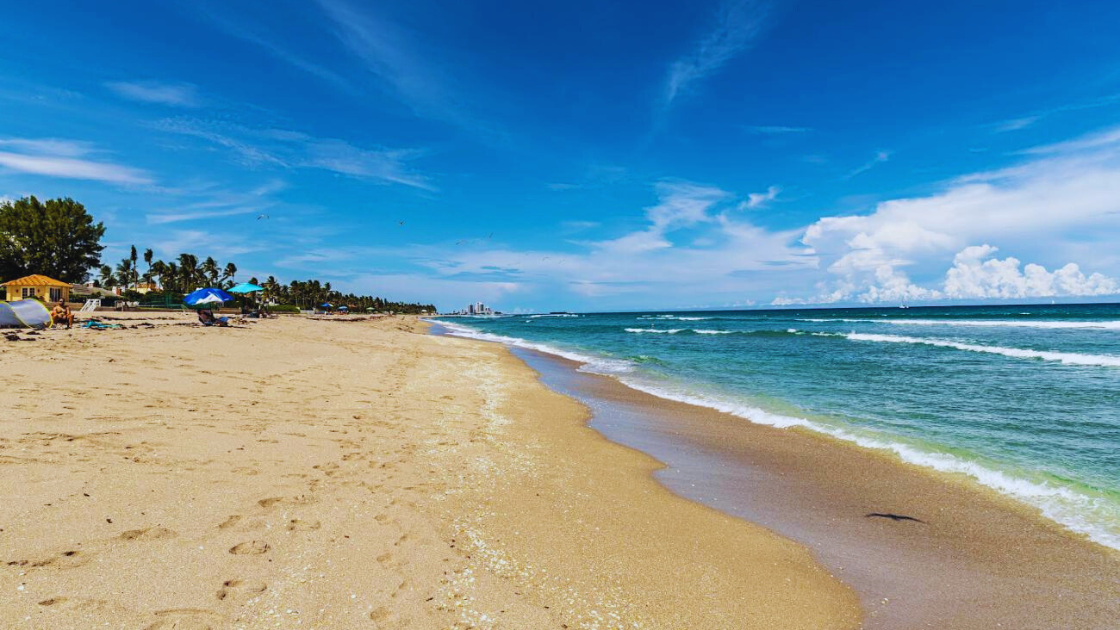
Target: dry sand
<point x="294" y="473"/>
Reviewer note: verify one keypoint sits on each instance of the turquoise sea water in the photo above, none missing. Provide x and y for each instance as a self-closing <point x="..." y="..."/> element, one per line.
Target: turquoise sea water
<point x="1025" y="399"/>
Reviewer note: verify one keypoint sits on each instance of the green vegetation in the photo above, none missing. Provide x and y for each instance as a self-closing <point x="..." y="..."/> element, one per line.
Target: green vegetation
<point x="312" y="293"/>
<point x="56" y="238"/>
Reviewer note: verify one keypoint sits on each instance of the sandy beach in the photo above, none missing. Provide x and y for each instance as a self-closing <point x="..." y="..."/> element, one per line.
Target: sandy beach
<point x="324" y="474"/>
<point x="922" y="549"/>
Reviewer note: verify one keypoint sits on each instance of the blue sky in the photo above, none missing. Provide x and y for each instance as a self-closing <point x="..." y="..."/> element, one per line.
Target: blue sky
<point x="587" y="155"/>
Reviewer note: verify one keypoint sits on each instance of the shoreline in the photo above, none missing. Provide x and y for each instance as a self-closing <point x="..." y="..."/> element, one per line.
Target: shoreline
<point x="293" y="472"/>
<point x="1018" y="489"/>
<point x="979" y="553"/>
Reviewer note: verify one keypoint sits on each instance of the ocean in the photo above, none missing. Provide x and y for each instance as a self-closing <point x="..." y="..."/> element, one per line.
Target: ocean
<point x="1024" y="399"/>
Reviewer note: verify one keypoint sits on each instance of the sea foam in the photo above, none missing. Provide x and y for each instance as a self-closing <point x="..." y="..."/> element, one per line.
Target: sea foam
<point x="1068" y="358"/>
<point x="1079" y="512"/>
<point x="979" y="323"/>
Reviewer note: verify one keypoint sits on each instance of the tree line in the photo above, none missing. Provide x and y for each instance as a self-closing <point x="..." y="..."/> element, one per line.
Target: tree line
<point x="58" y="238"/>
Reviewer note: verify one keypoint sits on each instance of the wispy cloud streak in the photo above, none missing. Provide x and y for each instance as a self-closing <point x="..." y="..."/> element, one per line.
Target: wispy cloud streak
<point x="776" y="130"/>
<point x="293" y="149"/>
<point x="65" y="159"/>
<point x="389" y="53"/>
<point x="174" y="94"/>
<point x="274" y="49"/>
<point x="880" y="157"/>
<point x="739" y="25"/>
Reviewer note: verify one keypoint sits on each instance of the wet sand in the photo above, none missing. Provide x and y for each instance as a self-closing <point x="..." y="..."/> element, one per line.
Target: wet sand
<point x="969" y="559"/>
<point x="297" y="473"/>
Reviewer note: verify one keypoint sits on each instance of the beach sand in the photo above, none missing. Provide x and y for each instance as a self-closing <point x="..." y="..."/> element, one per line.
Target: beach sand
<point x="331" y="474"/>
<point x="970" y="558"/>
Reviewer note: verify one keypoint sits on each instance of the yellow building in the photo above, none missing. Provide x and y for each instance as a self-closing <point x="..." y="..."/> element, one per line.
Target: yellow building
<point x="36" y="286"/>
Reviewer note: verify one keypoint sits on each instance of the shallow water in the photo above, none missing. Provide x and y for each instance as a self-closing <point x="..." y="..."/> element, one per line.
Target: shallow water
<point x="1026" y="399"/>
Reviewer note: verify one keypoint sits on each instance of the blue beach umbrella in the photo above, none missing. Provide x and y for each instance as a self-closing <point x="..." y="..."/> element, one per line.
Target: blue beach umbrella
<point x="246" y="287"/>
<point x="327" y="305"/>
<point x="202" y="297"/>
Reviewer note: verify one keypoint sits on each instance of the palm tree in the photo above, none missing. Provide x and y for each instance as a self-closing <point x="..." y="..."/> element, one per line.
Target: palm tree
<point x="188" y="272"/>
<point x="270" y="288"/>
<point x="124" y="271"/>
<point x="157" y="269"/>
<point x="106" y="278"/>
<point x="210" y="270"/>
<point x="132" y="262"/>
<point x="148" y="260"/>
<point x="171" y="278"/>
<point x="229" y="273"/>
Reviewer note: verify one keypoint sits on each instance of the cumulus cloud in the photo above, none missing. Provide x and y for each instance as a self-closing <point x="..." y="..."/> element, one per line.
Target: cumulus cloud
<point x="976" y="273"/>
<point x="1068" y="191"/>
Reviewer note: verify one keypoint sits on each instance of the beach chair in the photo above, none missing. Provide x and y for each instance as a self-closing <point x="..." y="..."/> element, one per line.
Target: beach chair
<point x="90" y="306"/>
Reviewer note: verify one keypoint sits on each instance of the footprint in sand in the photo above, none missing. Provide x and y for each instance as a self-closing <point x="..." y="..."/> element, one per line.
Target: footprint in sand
<point x="186" y="619"/>
<point x="229" y="522"/>
<point x="251" y="548"/>
<point x="65" y="560"/>
<point x="298" y="525"/>
<point x="232" y="589"/>
<point x="52" y="601"/>
<point x="382" y="615"/>
<point x="301" y="499"/>
<point x="149" y="533"/>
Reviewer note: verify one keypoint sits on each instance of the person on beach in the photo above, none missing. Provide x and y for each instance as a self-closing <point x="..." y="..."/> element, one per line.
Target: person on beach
<point x="61" y="313"/>
<point x="206" y="318"/>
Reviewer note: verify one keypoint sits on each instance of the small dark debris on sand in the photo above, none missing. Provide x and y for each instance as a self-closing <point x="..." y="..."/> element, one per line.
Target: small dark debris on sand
<point x="894" y="517"/>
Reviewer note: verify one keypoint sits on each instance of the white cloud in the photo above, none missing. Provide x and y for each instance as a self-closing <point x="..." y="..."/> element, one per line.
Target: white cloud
<point x="681" y="205"/>
<point x="738" y="26"/>
<point x="759" y="200"/>
<point x="162" y="93"/>
<point x="292" y="149"/>
<point x="65" y="159"/>
<point x="880" y="157"/>
<point x="416" y="73"/>
<point x="240" y="29"/>
<point x="1016" y="124"/>
<point x="1105" y="138"/>
<point x="378" y="164"/>
<point x="977" y="274"/>
<point x="1070" y="194"/>
<point x="690" y="249"/>
<point x="202" y="243"/>
<point x="247" y="152"/>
